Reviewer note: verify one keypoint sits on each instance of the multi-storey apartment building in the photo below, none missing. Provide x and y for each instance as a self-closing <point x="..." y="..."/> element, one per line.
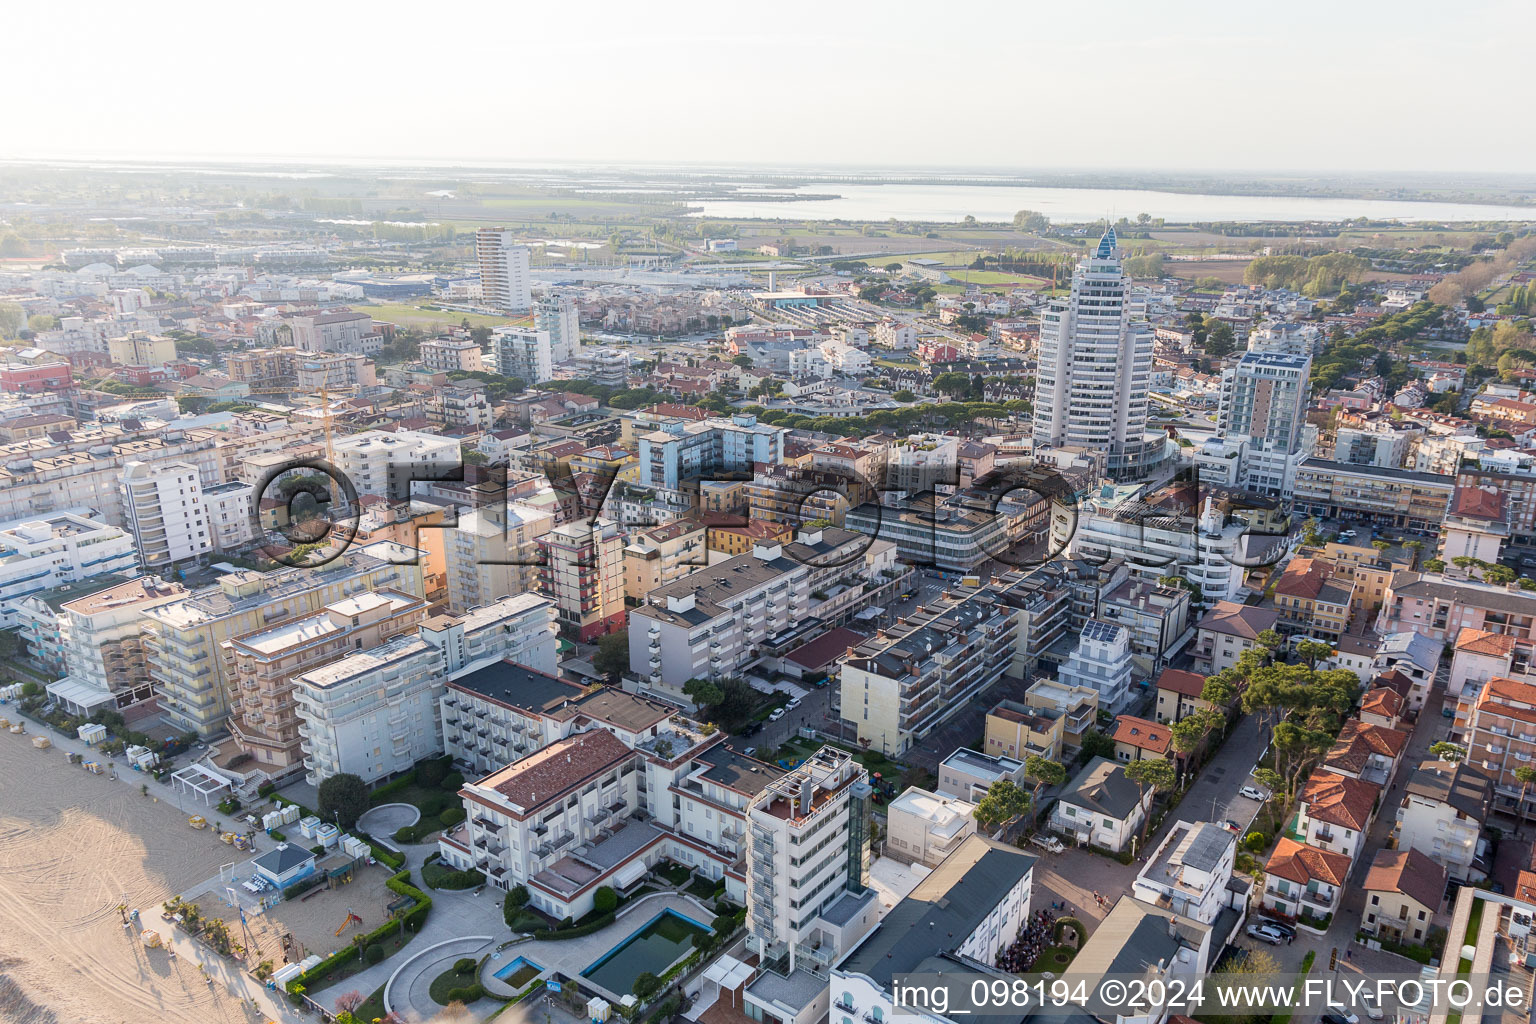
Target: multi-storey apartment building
<point x="1102" y="661"/>
<point x="1263" y="401"/>
<point x="679" y="452"/>
<point x="713" y="622"/>
<point x="1381" y="496"/>
<point x="231" y="515"/>
<point x="504" y="278"/>
<point x="1189" y="871"/>
<point x="493" y="553"/>
<point x="376" y="712"/>
<point x="44" y="551"/>
<point x="559" y="317"/>
<point x="334" y="370"/>
<point x="386" y="464"/>
<point x="262" y="666"/>
<point x="809" y="864"/>
<point x="138" y="348"/>
<point x="42" y="475"/>
<point x="1157" y="540"/>
<point x="103" y="646"/>
<point x="1441" y="607"/>
<point x="902" y="682"/>
<point x="1496" y="722"/>
<point x="1442" y="814"/>
<point x="662" y="554"/>
<point x="1095" y="366"/>
<point x="522" y="352"/>
<point x="184" y="637"/>
<point x="164" y="508"/>
<point x="583" y="573"/>
<point x="445" y="355"/>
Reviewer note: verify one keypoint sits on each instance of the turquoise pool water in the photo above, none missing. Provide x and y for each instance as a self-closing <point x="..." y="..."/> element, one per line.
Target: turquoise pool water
<point x="664" y="940"/>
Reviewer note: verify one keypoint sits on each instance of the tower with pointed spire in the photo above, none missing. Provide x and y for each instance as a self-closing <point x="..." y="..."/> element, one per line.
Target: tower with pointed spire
<point x="1096" y="366"/>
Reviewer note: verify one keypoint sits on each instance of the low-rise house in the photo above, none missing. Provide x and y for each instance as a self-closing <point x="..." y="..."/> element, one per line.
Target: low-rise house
<point x="1416" y="656"/>
<point x="1303" y="881"/>
<point x="968" y="775"/>
<point x="1444" y="808"/>
<point x="1178" y="695"/>
<point x="1312" y="600"/>
<point x="1190" y="872"/>
<point x="924" y="827"/>
<point x="1335" y="811"/>
<point x="1403" y="892"/>
<point x="1018" y="730"/>
<point x="1368" y="752"/>
<point x="1101" y="807"/>
<point x="1382" y="706"/>
<point x="1077" y="705"/>
<point x="1226" y="631"/>
<point x="1136" y="738"/>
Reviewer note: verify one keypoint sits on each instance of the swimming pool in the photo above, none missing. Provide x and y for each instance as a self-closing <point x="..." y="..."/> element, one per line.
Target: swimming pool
<point x="661" y="942"/>
<point x="519" y="972"/>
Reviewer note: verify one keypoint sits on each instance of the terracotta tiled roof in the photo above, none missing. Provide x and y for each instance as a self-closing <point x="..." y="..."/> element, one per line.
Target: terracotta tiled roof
<point x="1304" y="577"/>
<point x="1383" y="701"/>
<point x="1480" y="641"/>
<point x="1189" y="684"/>
<point x="1478" y="503"/>
<point x="558" y="768"/>
<point x="1508" y="691"/>
<point x="1300" y="863"/>
<point x="1410" y="872"/>
<point x="1240" y="620"/>
<point x="1339" y="799"/>
<point x="1358" y="742"/>
<point x="1139" y="732"/>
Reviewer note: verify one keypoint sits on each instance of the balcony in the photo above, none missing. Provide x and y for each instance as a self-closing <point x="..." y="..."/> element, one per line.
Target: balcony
<point x="845" y="1007"/>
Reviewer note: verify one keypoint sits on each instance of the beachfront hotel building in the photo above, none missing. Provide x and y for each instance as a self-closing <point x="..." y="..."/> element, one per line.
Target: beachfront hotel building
<point x="183" y="638"/>
<point x="376" y="712"/>
<point x="713" y="622"/>
<point x="504" y="279"/>
<point x="262" y="664"/>
<point x="102" y="641"/>
<point x="591" y="788"/>
<point x="43" y="551"/>
<point x="1096" y="367"/>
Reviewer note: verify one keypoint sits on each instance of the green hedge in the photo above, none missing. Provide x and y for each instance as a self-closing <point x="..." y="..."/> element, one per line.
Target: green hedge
<point x="576" y="931"/>
<point x="410" y="921"/>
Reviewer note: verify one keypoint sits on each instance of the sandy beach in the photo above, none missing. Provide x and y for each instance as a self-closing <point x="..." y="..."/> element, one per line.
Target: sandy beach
<point x="72" y="847"/>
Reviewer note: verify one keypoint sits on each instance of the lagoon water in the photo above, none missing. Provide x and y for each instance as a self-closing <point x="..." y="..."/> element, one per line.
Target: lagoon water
<point x="875" y="202"/>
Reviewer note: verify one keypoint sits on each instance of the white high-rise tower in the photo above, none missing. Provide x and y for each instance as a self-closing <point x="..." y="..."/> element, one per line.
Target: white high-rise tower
<point x="1095" y="367"/>
<point x="1264" y="404"/>
<point x="558" y="315"/>
<point x="504" y="277"/>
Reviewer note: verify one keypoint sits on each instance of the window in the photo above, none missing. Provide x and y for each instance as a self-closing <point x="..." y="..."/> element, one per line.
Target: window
<point x="1375" y="901"/>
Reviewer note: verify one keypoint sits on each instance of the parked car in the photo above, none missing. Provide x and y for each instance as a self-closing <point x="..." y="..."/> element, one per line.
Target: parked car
<point x="1279" y="926"/>
<point x="1048" y="843"/>
<point x="777" y="714"/>
<point x="793" y="702"/>
<point x="1264" y="933"/>
<point x="1340" y="1018"/>
<point x="1233" y="826"/>
<point x="1254" y="793"/>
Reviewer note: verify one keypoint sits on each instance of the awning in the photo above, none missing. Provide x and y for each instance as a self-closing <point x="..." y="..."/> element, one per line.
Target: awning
<point x="729" y="973"/>
<point x="76" y="694"/>
<point x="629" y="874"/>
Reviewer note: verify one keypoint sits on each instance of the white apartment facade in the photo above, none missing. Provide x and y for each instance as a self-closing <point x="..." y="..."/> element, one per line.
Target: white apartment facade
<point x="42" y="552"/>
<point x="559" y="317"/>
<point x="164" y="508"/>
<point x="1102" y="661"/>
<point x="505" y="282"/>
<point x="524" y="353"/>
<point x="1095" y="366"/>
<point x="386" y="463"/>
<point x="447" y="355"/>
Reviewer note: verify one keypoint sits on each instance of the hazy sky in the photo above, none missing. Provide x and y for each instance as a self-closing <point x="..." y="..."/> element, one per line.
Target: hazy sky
<point x="1100" y="84"/>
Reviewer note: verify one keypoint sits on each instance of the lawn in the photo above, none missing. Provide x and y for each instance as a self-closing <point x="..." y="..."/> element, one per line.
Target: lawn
<point x="371" y="1008"/>
<point x="998" y="277"/>
<point x="676" y="874"/>
<point x="410" y="315"/>
<point x="449" y="980"/>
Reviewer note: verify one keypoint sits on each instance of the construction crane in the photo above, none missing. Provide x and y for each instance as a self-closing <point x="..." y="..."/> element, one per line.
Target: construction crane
<point x="326" y="413"/>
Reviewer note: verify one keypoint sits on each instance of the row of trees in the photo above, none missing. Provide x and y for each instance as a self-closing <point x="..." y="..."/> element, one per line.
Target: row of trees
<point x="1323" y="274"/>
<point x="1346" y="354"/>
<point x="1474" y="277"/>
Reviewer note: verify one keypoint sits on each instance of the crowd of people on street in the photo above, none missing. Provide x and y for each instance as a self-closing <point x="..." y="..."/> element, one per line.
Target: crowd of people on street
<point x="1034" y="936"/>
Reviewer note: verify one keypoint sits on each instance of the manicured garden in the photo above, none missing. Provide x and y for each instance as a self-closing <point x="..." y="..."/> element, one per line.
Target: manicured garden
<point x="458" y="983"/>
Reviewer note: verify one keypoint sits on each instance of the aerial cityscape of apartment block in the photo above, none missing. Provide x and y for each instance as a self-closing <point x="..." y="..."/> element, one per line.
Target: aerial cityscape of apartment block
<point x="653" y="522"/>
